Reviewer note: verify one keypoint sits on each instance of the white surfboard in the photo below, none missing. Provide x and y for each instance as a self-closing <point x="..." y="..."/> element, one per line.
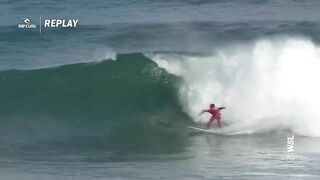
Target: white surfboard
<point x="203" y="130"/>
<point x="225" y="131"/>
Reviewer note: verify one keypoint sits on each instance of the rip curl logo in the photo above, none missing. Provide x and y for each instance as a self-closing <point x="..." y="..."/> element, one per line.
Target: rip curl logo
<point x="27" y="24"/>
<point x="26" y="21"/>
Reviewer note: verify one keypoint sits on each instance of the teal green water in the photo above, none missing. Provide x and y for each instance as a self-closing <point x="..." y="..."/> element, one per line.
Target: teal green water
<point x="130" y="97"/>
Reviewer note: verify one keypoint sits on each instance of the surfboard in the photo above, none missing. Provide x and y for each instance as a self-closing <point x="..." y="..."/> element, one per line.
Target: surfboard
<point x="226" y="131"/>
<point x="202" y="130"/>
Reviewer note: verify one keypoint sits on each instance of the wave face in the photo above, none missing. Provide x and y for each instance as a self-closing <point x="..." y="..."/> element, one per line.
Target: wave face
<point x="266" y="85"/>
<point x="129" y="101"/>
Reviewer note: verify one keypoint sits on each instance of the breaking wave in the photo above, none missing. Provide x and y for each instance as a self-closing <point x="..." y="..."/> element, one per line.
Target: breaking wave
<point x="266" y="85"/>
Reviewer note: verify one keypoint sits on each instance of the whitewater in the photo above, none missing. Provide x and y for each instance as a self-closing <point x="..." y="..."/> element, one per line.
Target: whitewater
<point x="268" y="84"/>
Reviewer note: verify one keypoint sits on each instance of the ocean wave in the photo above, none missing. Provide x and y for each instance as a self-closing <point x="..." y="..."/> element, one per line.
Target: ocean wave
<point x="128" y="101"/>
<point x="266" y="85"/>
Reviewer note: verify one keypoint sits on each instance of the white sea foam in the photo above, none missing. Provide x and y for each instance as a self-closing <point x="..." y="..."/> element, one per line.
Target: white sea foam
<point x="267" y="84"/>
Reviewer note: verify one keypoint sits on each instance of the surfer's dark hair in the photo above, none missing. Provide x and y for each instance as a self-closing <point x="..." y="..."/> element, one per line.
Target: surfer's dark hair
<point x="212" y="105"/>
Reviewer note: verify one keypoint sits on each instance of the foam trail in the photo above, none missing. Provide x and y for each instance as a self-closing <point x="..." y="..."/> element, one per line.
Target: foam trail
<point x="106" y="54"/>
<point x="265" y="85"/>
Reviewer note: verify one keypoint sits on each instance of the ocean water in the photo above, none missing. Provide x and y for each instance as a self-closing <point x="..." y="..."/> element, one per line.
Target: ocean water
<point x="111" y="98"/>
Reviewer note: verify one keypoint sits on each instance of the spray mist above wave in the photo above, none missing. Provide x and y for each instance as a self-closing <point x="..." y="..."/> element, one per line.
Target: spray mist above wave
<point x="265" y="85"/>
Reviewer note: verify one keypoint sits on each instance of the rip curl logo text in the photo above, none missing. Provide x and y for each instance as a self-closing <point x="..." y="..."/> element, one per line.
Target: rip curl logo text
<point x="27" y="24"/>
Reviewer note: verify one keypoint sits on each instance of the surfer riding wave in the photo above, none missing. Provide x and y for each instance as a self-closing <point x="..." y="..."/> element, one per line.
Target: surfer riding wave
<point x="216" y="115"/>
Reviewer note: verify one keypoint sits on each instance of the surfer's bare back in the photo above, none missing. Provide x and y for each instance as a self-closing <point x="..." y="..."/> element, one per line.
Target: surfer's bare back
<point x="216" y="115"/>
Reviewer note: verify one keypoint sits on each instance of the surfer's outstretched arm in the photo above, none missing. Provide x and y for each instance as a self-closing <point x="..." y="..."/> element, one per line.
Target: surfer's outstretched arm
<point x="220" y="108"/>
<point x="203" y="111"/>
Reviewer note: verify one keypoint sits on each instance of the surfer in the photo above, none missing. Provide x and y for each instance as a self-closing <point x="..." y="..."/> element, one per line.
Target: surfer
<point x="216" y="115"/>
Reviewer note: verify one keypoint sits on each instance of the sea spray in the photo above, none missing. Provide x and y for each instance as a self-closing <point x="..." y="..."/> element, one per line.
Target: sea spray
<point x="265" y="85"/>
